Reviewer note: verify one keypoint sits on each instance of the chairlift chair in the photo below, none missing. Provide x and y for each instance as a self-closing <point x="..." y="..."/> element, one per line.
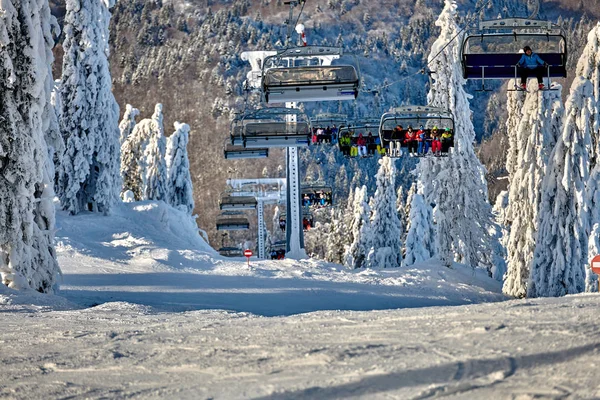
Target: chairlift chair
<point x="327" y="120"/>
<point x="316" y="193"/>
<point x="324" y="120"/>
<point x="305" y="73"/>
<point x="279" y="245"/>
<point x="232" y="221"/>
<point x="306" y="214"/>
<point x="492" y="51"/>
<point x="278" y="249"/>
<point x="231" y="201"/>
<point x="231" y="252"/>
<point x="413" y="116"/>
<point x="353" y="129"/>
<point x="236" y="152"/>
<point x="273" y="127"/>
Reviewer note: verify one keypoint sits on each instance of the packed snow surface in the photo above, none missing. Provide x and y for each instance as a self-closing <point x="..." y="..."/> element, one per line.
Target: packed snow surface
<point x="147" y="309"/>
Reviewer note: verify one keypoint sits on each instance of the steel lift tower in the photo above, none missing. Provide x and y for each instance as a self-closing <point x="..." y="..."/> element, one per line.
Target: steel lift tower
<point x="276" y="194"/>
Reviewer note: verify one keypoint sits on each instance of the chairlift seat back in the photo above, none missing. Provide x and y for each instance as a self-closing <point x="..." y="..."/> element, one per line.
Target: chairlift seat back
<point x="232" y="224"/>
<point x="502" y="65"/>
<point x="240" y="152"/>
<point x="310" y="83"/>
<point x="238" y="203"/>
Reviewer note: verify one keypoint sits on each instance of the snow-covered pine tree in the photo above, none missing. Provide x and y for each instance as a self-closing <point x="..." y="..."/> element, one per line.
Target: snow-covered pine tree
<point x="178" y="167"/>
<point x="348" y="215"/>
<point x="54" y="139"/>
<point x="128" y="122"/>
<point x="400" y="206"/>
<point x="386" y="228"/>
<point x="27" y="254"/>
<point x="401" y="211"/>
<point x="411" y="192"/>
<point x="538" y="124"/>
<point x="560" y="256"/>
<point x="133" y="171"/>
<point x="456" y="185"/>
<point x="154" y="165"/>
<point x="588" y="67"/>
<point x="89" y="115"/>
<point x="420" y="239"/>
<point x="356" y="253"/>
<point x="337" y="236"/>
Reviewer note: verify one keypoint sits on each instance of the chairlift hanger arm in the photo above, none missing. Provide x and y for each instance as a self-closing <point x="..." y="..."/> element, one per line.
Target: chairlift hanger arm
<point x="293" y="4"/>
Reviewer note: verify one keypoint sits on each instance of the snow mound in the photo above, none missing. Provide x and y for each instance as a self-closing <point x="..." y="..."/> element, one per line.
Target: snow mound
<point x="148" y="257"/>
<point x="32" y="301"/>
<point x="121" y="307"/>
<point x="140" y="236"/>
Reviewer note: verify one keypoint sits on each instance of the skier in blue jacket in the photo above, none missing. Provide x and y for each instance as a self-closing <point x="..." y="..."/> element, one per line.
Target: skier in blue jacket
<point x="531" y="64"/>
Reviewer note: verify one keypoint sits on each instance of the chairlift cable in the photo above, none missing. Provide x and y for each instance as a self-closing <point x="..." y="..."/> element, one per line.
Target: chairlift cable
<point x="300" y="14"/>
<point x="422" y="70"/>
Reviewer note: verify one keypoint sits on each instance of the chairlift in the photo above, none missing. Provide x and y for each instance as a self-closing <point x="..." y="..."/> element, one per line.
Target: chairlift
<point x="414" y="117"/>
<point x="235" y="152"/>
<point x="492" y="51"/>
<point x="278" y="249"/>
<point x="231" y="252"/>
<point x="279" y="245"/>
<point x="325" y="127"/>
<point x="316" y="195"/>
<point x="305" y="73"/>
<point x="308" y="220"/>
<point x="349" y="134"/>
<point x="324" y="120"/>
<point x="232" y="221"/>
<point x="233" y="201"/>
<point x="271" y="127"/>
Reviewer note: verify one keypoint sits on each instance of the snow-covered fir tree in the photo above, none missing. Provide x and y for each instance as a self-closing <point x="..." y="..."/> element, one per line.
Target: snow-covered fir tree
<point x="181" y="192"/>
<point x="400" y="206"/>
<point x="128" y="122"/>
<point x="588" y="67"/>
<point x="133" y="170"/>
<point x="54" y="139"/>
<point x="420" y="239"/>
<point x="348" y="215"/>
<point x="316" y="239"/>
<point x="538" y="123"/>
<point x="386" y="228"/>
<point x="402" y="216"/>
<point x="89" y="115"/>
<point x="27" y="216"/>
<point x="356" y="253"/>
<point x="561" y="247"/>
<point x="155" y="179"/>
<point x="336" y="238"/>
<point x="456" y="185"/>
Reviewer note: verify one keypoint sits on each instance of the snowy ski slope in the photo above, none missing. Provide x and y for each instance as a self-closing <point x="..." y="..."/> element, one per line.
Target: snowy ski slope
<point x="149" y="310"/>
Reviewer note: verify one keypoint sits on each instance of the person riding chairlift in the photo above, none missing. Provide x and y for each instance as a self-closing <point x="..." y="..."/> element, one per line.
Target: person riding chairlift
<point x="396" y="141"/>
<point x="422" y="138"/>
<point x="446" y="140"/>
<point x="436" y="144"/>
<point x="531" y="64"/>
<point x="362" y="145"/>
<point x="411" y="141"/>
